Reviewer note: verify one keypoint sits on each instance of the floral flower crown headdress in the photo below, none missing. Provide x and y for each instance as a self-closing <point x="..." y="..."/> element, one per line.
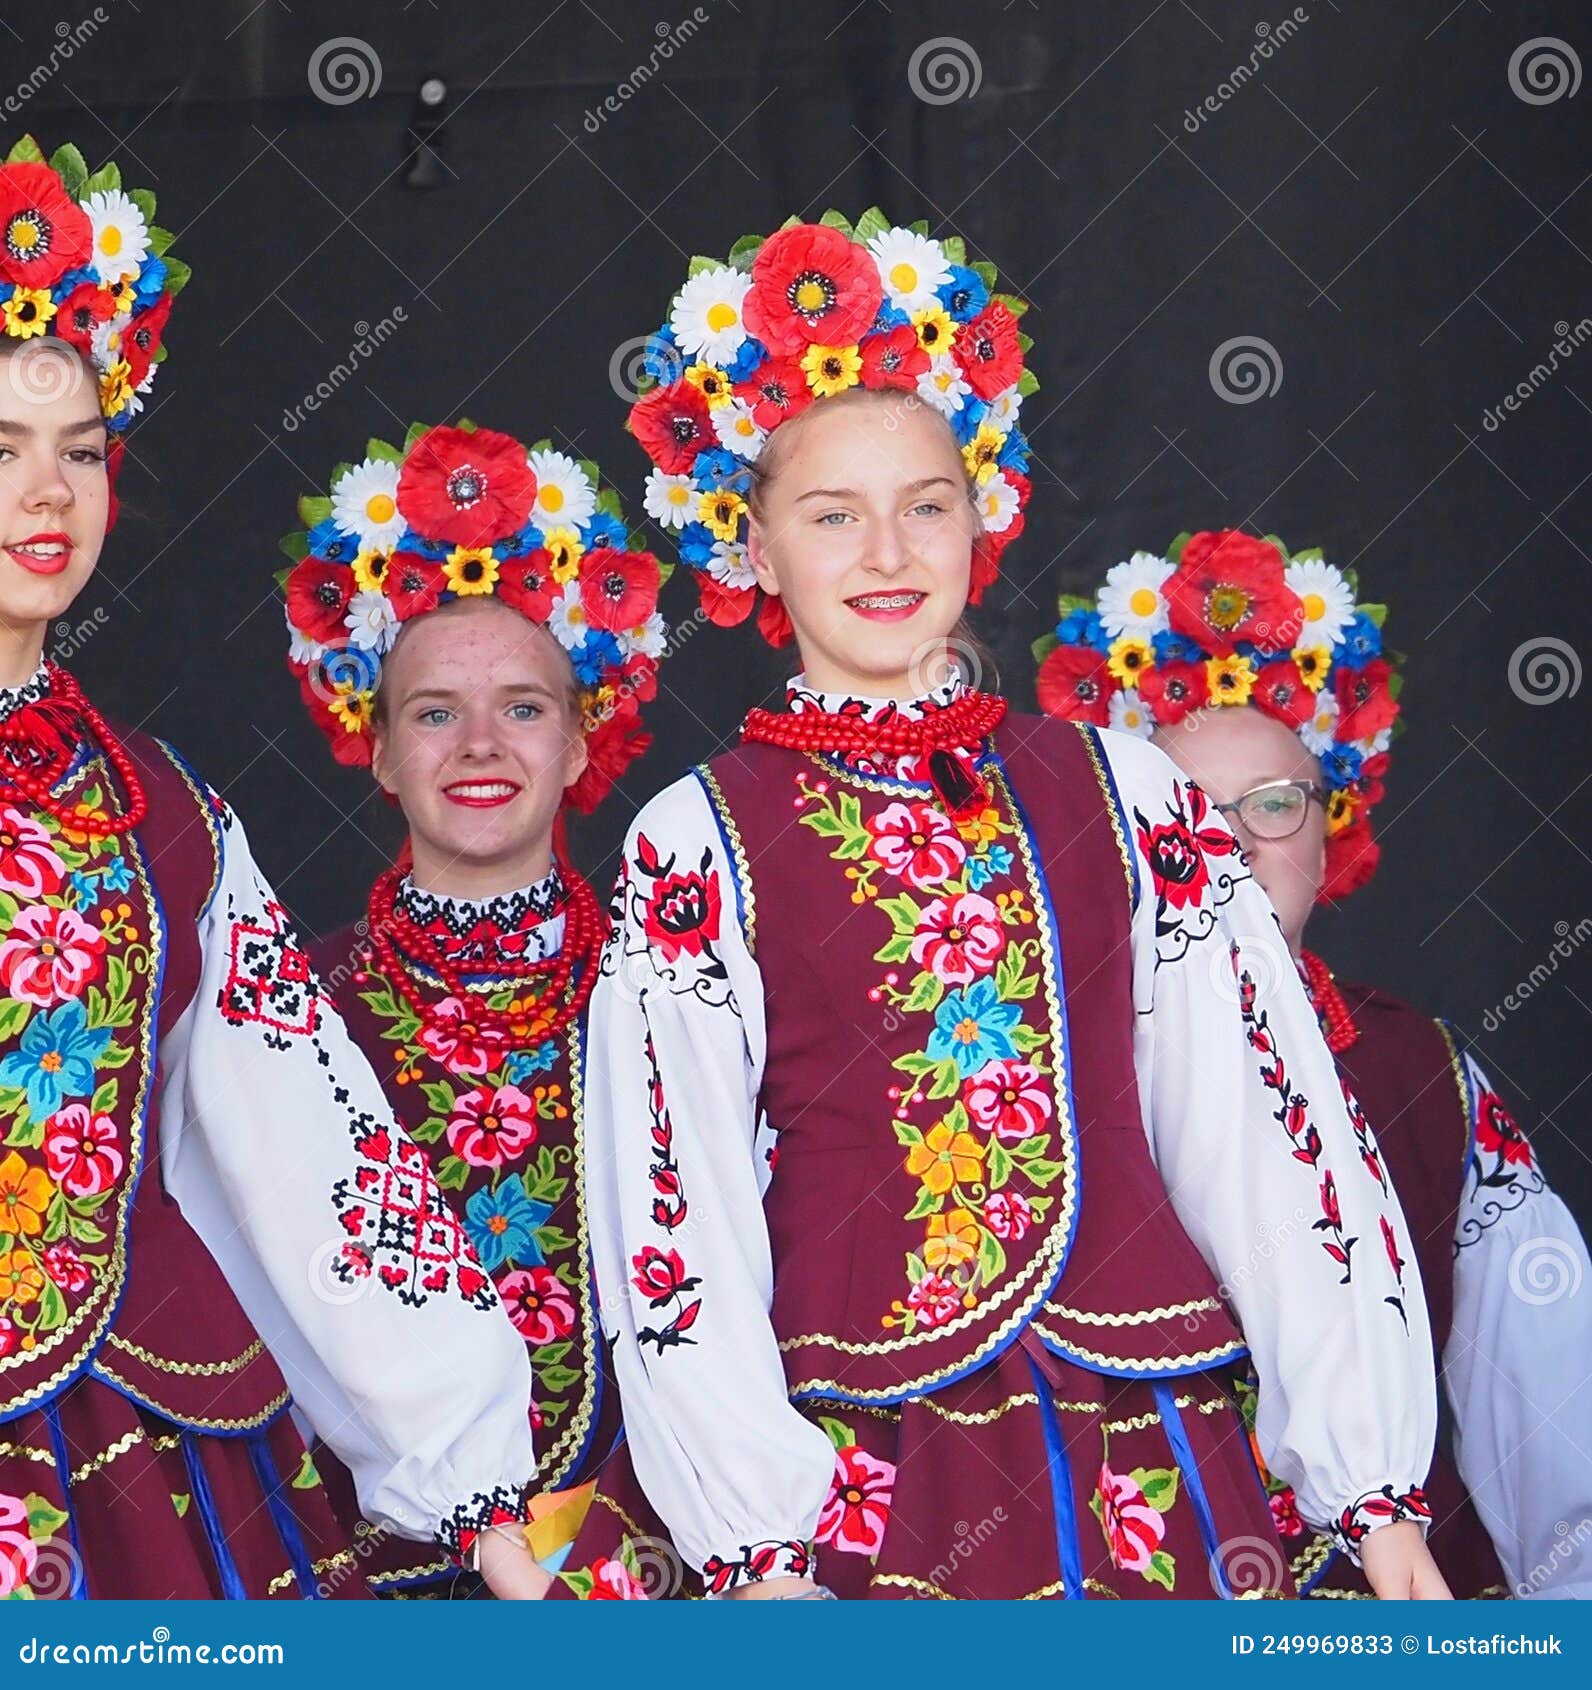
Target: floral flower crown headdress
<point x="1228" y="619"/>
<point x="808" y="312"/>
<point x="84" y="261"/>
<point x="462" y="512"/>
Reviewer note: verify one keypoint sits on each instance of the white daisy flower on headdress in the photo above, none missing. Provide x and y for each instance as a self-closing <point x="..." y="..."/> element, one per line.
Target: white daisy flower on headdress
<point x="911" y="267"/>
<point x="737" y="429"/>
<point x="1327" y="600"/>
<point x="105" y="341"/>
<point x="301" y="648"/>
<point x="651" y="639"/>
<point x="121" y="235"/>
<point x="728" y="565"/>
<point x="1375" y="745"/>
<point x="706" y="319"/>
<point x="1131" y="600"/>
<point x="568" y="619"/>
<point x="1003" y="409"/>
<point x="1130" y="713"/>
<point x="365" y="504"/>
<point x="997" y="503"/>
<point x="1319" y="733"/>
<point x="669" y="499"/>
<point x="943" y="385"/>
<point x="565" y="496"/>
<point x="372" y="622"/>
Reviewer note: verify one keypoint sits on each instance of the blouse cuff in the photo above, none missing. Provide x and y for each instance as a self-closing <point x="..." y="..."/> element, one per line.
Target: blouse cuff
<point x="770" y="1559"/>
<point x="1376" y="1508"/>
<point x="505" y="1505"/>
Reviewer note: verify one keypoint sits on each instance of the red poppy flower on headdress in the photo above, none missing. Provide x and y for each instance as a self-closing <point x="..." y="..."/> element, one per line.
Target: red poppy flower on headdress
<point x="610" y="750"/>
<point x="812" y="286"/>
<point x="43" y="233"/>
<point x="1365" y="704"/>
<point x="1074" y="682"/>
<point x="1173" y="689"/>
<point x="466" y="488"/>
<point x="989" y="351"/>
<point x="526" y="584"/>
<point x="83" y="310"/>
<point x="779" y="390"/>
<point x="1280" y="692"/>
<point x="142" y="340"/>
<point x="773" y="621"/>
<point x="1351" y="860"/>
<point x="619" y="590"/>
<point x="673" y="426"/>
<point x="413" y="584"/>
<point x="318" y="595"/>
<point x="725" y="607"/>
<point x="1230" y="587"/>
<point x="895" y="359"/>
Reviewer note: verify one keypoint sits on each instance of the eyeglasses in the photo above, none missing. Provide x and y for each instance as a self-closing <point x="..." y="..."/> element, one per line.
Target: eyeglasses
<point x="1275" y="810"/>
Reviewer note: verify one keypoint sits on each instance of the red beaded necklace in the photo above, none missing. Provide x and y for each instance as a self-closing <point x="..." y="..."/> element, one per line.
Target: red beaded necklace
<point x="585" y="928"/>
<point x="47" y="728"/>
<point x="965" y="722"/>
<point x="1333" y="1013"/>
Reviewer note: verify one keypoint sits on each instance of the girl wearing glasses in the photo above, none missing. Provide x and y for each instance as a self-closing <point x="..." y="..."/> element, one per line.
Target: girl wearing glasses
<point x="1266" y="682"/>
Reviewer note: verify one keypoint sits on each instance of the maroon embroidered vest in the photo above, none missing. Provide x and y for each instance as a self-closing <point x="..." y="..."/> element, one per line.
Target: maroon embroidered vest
<point x="503" y="1131"/>
<point x="950" y="1072"/>
<point x="99" y="957"/>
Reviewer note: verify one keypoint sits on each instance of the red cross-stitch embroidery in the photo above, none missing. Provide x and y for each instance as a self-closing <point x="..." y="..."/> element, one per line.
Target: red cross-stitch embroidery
<point x="269" y="980"/>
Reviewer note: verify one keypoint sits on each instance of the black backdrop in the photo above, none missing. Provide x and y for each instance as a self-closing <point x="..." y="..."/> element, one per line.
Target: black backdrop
<point x="1393" y="200"/>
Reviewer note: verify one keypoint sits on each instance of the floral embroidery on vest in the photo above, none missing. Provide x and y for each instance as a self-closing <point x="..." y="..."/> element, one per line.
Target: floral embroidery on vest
<point x="856" y="1513"/>
<point x="1132" y="1508"/>
<point x="981" y="1081"/>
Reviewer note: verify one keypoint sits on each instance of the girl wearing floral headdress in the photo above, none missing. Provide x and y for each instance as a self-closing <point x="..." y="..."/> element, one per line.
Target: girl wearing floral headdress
<point x="1176" y="647"/>
<point x="179" y="1105"/>
<point x="938" y="1051"/>
<point x="471" y="620"/>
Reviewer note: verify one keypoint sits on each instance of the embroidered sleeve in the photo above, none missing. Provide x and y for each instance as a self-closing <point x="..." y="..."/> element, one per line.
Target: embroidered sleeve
<point x="282" y="1151"/>
<point x="675" y="1176"/>
<point x="1273" y="1171"/>
<point x="1517" y="1367"/>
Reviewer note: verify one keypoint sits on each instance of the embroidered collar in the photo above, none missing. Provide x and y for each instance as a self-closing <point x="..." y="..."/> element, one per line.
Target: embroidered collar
<point x="525" y="925"/>
<point x="36" y="686"/>
<point x="800" y="696"/>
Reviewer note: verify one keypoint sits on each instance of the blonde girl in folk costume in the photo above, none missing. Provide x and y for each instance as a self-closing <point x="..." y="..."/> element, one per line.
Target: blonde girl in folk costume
<point x="179" y="1104"/>
<point x="942" y="1052"/>
<point x="1266" y="682"/>
<point x="469" y="619"/>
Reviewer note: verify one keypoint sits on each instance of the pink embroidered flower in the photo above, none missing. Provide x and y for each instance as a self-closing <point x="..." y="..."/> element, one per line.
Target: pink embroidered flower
<point x="51" y="955"/>
<point x="29" y="866"/>
<point x="66" y="1267"/>
<point x="917" y="842"/>
<point x="540" y="1304"/>
<point x="613" y="1581"/>
<point x="489" y="1128"/>
<point x="19" y="1554"/>
<point x="857" y="1509"/>
<point x="1009" y="1099"/>
<point x="460" y="1044"/>
<point x="8" y="1342"/>
<point x="1008" y="1215"/>
<point x="1285" y="1512"/>
<point x="958" y="939"/>
<point x="935" y="1300"/>
<point x="1133" y="1528"/>
<point x="81" y="1151"/>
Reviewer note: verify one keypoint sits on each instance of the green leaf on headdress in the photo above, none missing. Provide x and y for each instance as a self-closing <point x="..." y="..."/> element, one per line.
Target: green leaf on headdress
<point x="833" y="219"/>
<point x="1024" y="341"/>
<point x="145" y="201"/>
<point x="591" y="471"/>
<point x="160" y="240"/>
<point x="26" y="151"/>
<point x="872" y="222"/>
<point x="1395" y="684"/>
<point x="955" y="249"/>
<point x="295" y="546"/>
<point x="177" y="274"/>
<point x="1027" y="383"/>
<point x="986" y="272"/>
<point x="665" y="567"/>
<point x="1377" y="612"/>
<point x="921" y="227"/>
<point x="542" y="446"/>
<point x="1043" y="646"/>
<point x="1066" y="603"/>
<point x="791" y="222"/>
<point x="70" y="165"/>
<point x="415" y="431"/>
<point x="1012" y="303"/>
<point x="382" y="452"/>
<point x="699" y="265"/>
<point x="1275" y="540"/>
<point x="608" y="504"/>
<point x="1311" y="554"/>
<point x="160" y="353"/>
<point x="281" y="575"/>
<point x="338" y="472"/>
<point x="313" y="508"/>
<point x="1174" y="552"/>
<point x="107" y="179"/>
<point x="465" y="426"/>
<point x="744" y="253"/>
